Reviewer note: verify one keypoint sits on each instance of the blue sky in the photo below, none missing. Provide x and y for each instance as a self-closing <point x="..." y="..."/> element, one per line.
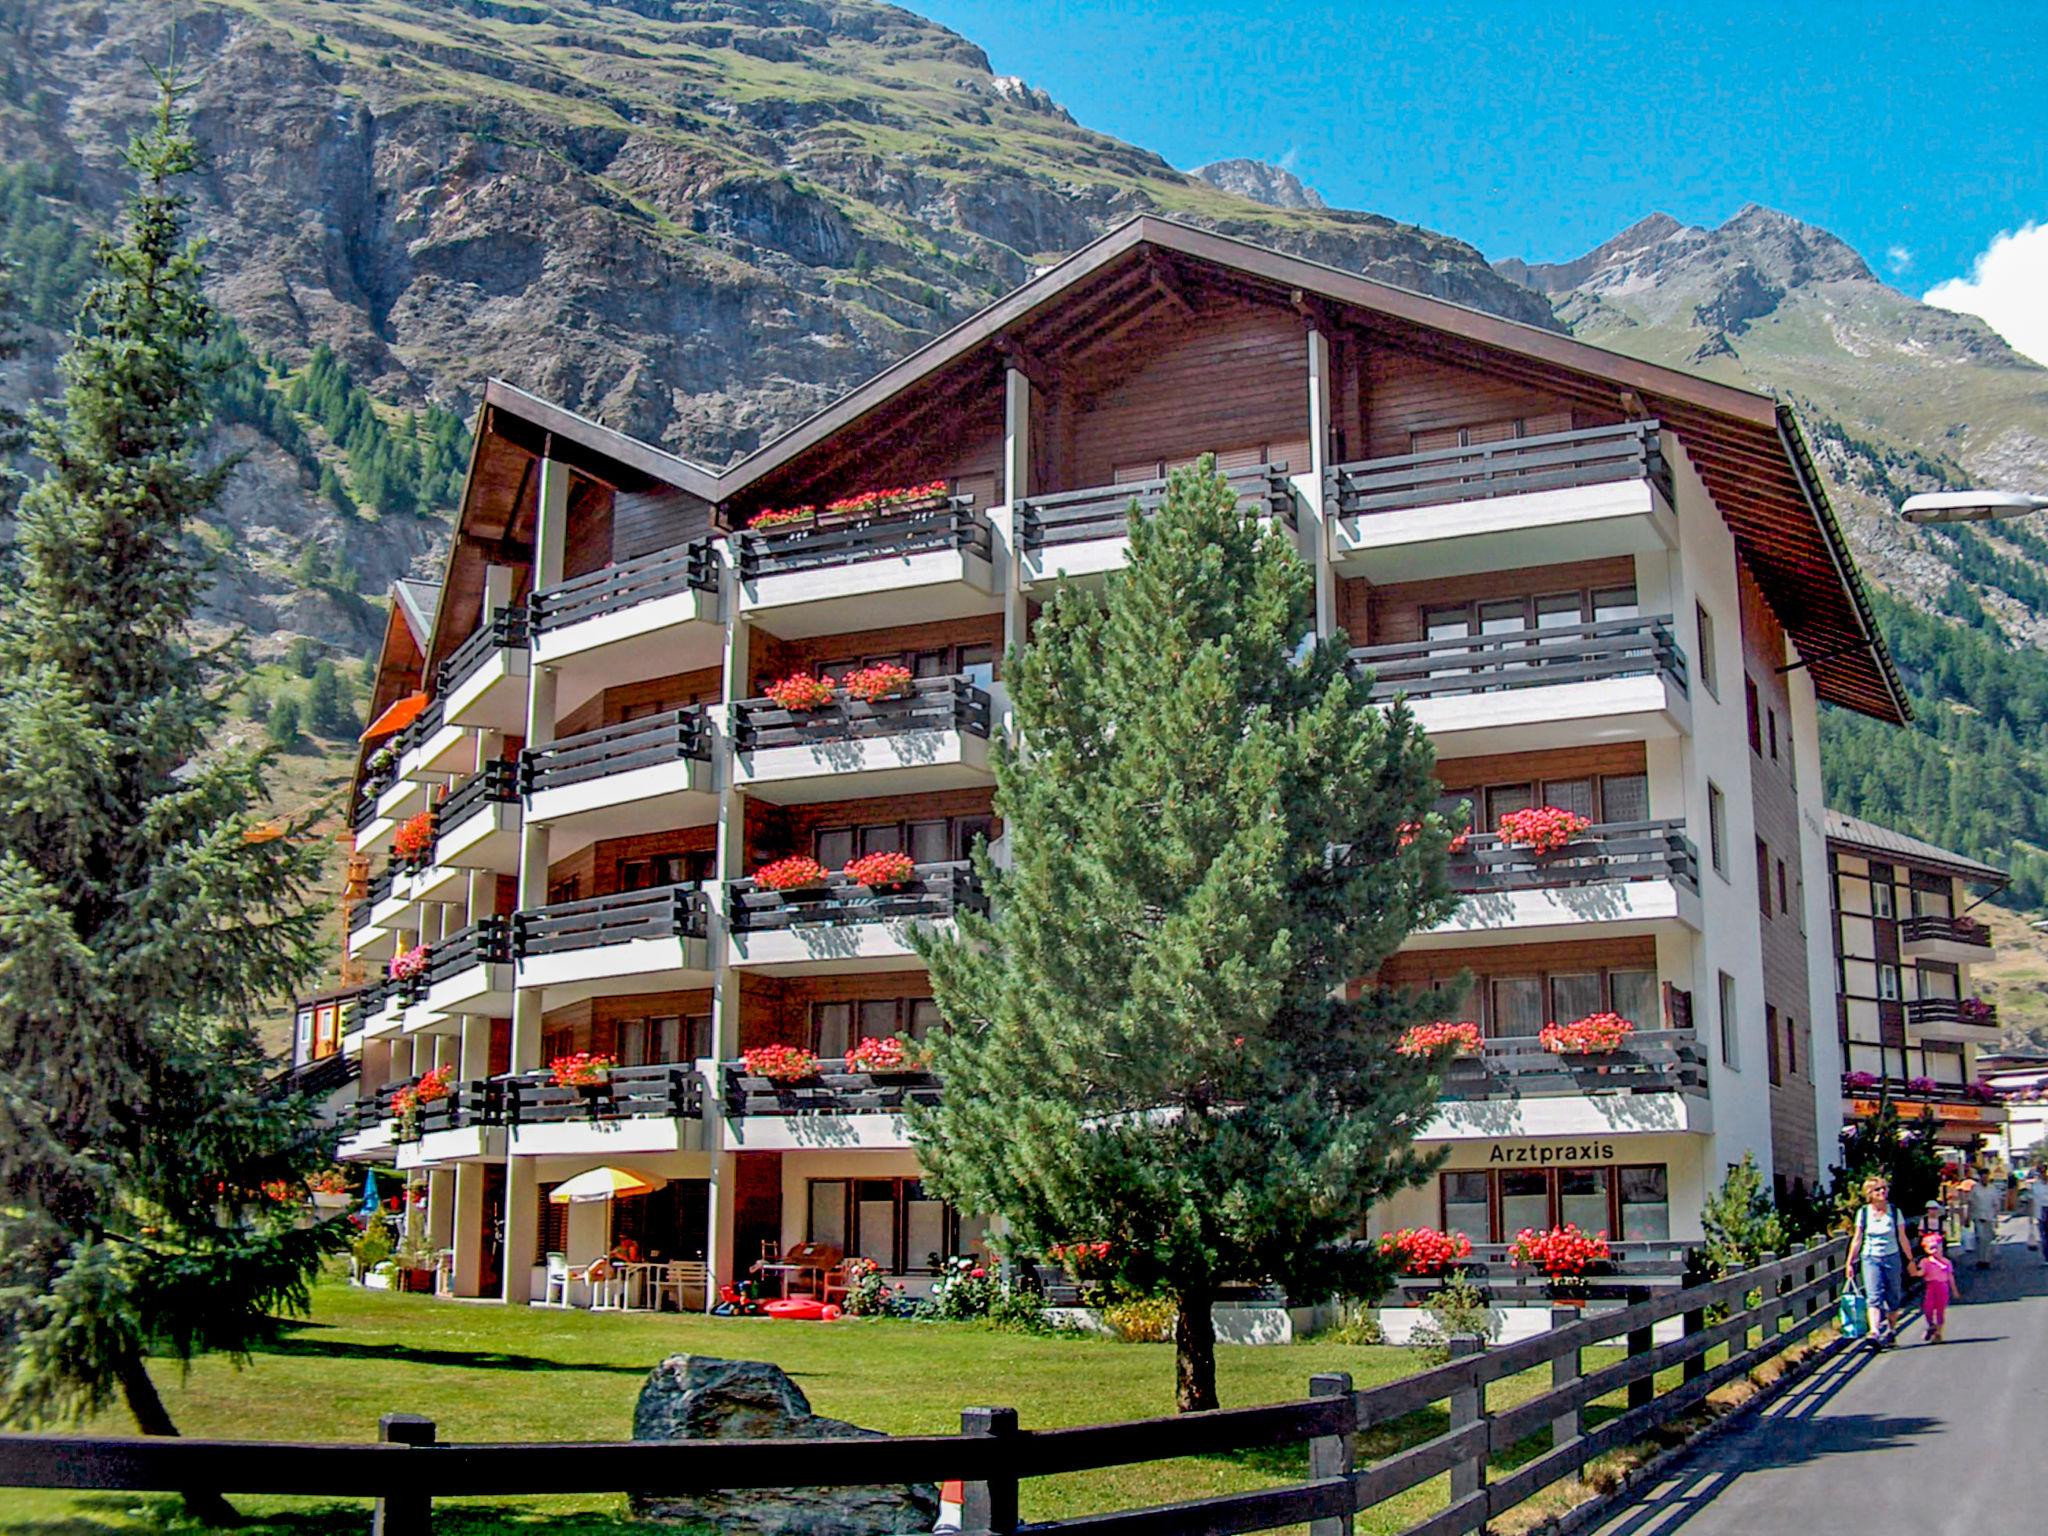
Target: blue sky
<point x="1915" y="132"/>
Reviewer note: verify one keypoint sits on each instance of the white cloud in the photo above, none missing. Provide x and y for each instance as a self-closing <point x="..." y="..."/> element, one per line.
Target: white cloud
<point x="1288" y="161"/>
<point x="2008" y="288"/>
<point x="1899" y="259"/>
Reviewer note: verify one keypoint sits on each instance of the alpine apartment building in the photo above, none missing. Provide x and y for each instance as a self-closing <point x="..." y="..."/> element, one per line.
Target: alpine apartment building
<point x="1604" y="586"/>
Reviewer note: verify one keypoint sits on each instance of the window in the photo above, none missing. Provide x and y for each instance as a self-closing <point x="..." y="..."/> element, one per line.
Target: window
<point x="551" y="1233"/>
<point x="1574" y="795"/>
<point x="1763" y="878"/>
<point x="939" y="841"/>
<point x="1881" y="898"/>
<point x="895" y="1222"/>
<point x="1888" y="983"/>
<point x="836" y="1026"/>
<point x="1518" y="1005"/>
<point x="1784" y="890"/>
<point x="1717" y="829"/>
<point x="1645" y="1204"/>
<point x="1574" y="996"/>
<point x="665" y="869"/>
<point x="1753" y="704"/>
<point x="1629" y="1203"/>
<point x="1771" y="1040"/>
<point x="1771" y="729"/>
<point x="1625" y="797"/>
<point x="1791" y="1045"/>
<point x="1728" y="1024"/>
<point x="1633" y="995"/>
<point x="1466" y="1206"/>
<point x="1703" y="625"/>
<point x="1582" y="1199"/>
<point x="1524" y="1200"/>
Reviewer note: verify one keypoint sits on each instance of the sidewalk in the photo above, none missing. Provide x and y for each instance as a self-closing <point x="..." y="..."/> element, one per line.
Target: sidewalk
<point x="1962" y="1420"/>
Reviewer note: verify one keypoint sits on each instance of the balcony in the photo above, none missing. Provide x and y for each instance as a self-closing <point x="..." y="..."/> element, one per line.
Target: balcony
<point x="647" y="1109"/>
<point x="374" y="925"/>
<point x="1499" y="506"/>
<point x="1533" y="689"/>
<point x="1514" y="1087"/>
<point x="644" y="775"/>
<point x="477" y="825"/>
<point x="934" y="737"/>
<point x="427" y="879"/>
<point x="470" y="972"/>
<point x="483" y="682"/>
<point x="372" y="831"/>
<point x="465" y="1127"/>
<point x="1079" y="534"/>
<point x="843" y="926"/>
<point x="367" y="1012"/>
<point x="631" y="942"/>
<point x="1962" y="1019"/>
<point x="1959" y="1112"/>
<point x="368" y="1127"/>
<point x="642" y="618"/>
<point x="1619" y="879"/>
<point x="434" y="748"/>
<point x="833" y="575"/>
<point x="1954" y="940"/>
<point x="842" y="1107"/>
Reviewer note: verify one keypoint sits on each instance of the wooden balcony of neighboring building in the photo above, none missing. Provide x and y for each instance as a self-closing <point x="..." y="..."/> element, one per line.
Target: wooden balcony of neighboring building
<point x="843" y="926"/>
<point x="1495" y="506"/>
<point x="1078" y="534"/>
<point x="838" y="573"/>
<point x="646" y="775"/>
<point x="1964" y="1020"/>
<point x="468" y="972"/>
<point x="468" y="1126"/>
<point x="378" y="916"/>
<point x="1953" y="940"/>
<point x="368" y="1126"/>
<point x="477" y="825"/>
<point x="1532" y="689"/>
<point x="934" y="737"/>
<point x="482" y="684"/>
<point x="638" y="1110"/>
<point x="617" y="945"/>
<point x="845" y="1107"/>
<point x="639" y="619"/>
<point x="1617" y="879"/>
<point x="1959" y="1112"/>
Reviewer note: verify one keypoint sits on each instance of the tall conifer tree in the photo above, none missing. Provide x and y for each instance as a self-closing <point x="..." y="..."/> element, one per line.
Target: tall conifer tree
<point x="143" y="920"/>
<point x="1154" y="1041"/>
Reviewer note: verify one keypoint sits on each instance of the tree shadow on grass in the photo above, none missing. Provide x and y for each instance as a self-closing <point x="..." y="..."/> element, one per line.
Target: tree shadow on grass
<point x="410" y="1354"/>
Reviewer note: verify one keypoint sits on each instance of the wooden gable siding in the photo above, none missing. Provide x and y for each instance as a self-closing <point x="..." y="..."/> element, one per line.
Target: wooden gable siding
<point x="1457" y="774"/>
<point x="960" y="442"/>
<point x="644" y="521"/>
<point x="1407" y="395"/>
<point x="587" y="542"/>
<point x="1420" y="967"/>
<point x="1392" y="614"/>
<point x="776" y="831"/>
<point x="609" y="705"/>
<point x="776" y="1010"/>
<point x="1233" y="378"/>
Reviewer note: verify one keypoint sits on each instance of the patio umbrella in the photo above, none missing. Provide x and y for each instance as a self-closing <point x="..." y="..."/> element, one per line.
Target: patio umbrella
<point x="604" y="1184"/>
<point x="371" y="1204"/>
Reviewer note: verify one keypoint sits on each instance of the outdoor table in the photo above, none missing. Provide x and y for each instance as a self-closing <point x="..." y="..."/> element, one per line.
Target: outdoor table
<point x="781" y="1271"/>
<point x="636" y="1274"/>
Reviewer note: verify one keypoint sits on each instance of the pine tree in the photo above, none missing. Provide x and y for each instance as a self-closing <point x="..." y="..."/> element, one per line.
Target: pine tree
<point x="141" y="926"/>
<point x="1152" y="1042"/>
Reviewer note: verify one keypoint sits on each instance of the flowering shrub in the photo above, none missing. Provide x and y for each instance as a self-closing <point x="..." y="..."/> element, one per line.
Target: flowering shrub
<point x="383" y="760"/>
<point x="1560" y="1252"/>
<point x="1594" y="1035"/>
<point x="795" y="873"/>
<point x="1968" y="929"/>
<point x="782" y="517"/>
<point x="884" y="680"/>
<point x="881" y="501"/>
<point x="873" y="1055"/>
<point x="1081" y="1259"/>
<point x="1859" y="1082"/>
<point x="329" y="1181"/>
<point x="409" y="966"/>
<point x="965" y="1288"/>
<point x="1983" y="1093"/>
<point x="1440" y="1039"/>
<point x="1142" y="1319"/>
<point x="1404" y="834"/>
<point x="582" y="1069"/>
<point x="415" y="837"/>
<point x="1425" y="1251"/>
<point x="1541" y="829"/>
<point x="873" y="869"/>
<point x="867" y="1293"/>
<point x="779" y="1063"/>
<point x="800" y="691"/>
<point x="434" y="1085"/>
<point x="1974" y="1010"/>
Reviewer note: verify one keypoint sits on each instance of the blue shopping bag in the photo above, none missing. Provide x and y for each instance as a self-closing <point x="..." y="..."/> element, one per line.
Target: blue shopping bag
<point x="1855" y="1315"/>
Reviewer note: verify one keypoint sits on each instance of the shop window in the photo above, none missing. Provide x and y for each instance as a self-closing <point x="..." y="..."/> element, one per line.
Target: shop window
<point x="1466" y="1207"/>
<point x="1645" y="1204"/>
<point x="1524" y="1201"/>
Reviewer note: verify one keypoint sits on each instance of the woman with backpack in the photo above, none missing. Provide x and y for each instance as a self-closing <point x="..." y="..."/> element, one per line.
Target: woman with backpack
<point x="1878" y="1256"/>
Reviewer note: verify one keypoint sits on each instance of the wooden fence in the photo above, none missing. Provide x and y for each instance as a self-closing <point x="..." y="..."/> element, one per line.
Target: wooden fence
<point x="1756" y="1314"/>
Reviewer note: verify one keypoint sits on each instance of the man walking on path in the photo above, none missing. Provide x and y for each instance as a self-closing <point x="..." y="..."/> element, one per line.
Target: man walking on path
<point x="1986" y="1201"/>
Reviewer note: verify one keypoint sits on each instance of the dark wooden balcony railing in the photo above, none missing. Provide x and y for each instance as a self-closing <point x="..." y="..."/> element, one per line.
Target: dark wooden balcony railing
<point x="665" y="572"/>
<point x="376" y="889"/>
<point x="1517" y="1067"/>
<point x="369" y="1002"/>
<point x="665" y="738"/>
<point x="1554" y="461"/>
<point x="498" y="784"/>
<point x="934" y="890"/>
<point x="1951" y="930"/>
<point x="1951" y="1010"/>
<point x="1103" y="511"/>
<point x="505" y="632"/>
<point x="1609" y="851"/>
<point x="853" y="539"/>
<point x="1633" y="1270"/>
<point x="425" y="724"/>
<point x="373" y="1107"/>
<point x="933" y="704"/>
<point x="1523" y="658"/>
<point x="487" y="941"/>
<point x="1900" y="1090"/>
<point x="479" y="1101"/>
<point x="838" y="1089"/>
<point x="666" y="912"/>
<point x="666" y="1091"/>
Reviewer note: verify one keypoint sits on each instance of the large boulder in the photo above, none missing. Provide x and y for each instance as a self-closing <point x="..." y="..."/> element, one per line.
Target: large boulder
<point x="701" y="1397"/>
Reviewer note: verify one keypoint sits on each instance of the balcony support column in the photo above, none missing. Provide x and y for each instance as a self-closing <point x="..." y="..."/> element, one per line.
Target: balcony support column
<point x="1016" y="435"/>
<point x="498" y="580"/>
<point x="467" y="1205"/>
<point x="721" y="1263"/>
<point x="1315" y="535"/>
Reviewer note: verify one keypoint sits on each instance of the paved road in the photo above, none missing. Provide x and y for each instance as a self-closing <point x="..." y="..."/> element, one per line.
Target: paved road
<point x="1964" y="1425"/>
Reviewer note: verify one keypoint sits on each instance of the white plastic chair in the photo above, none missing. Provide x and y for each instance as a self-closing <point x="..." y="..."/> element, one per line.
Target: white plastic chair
<point x="683" y="1277"/>
<point x="558" y="1280"/>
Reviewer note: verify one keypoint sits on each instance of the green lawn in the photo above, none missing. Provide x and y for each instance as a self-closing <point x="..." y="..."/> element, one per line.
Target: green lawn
<point x="485" y="1372"/>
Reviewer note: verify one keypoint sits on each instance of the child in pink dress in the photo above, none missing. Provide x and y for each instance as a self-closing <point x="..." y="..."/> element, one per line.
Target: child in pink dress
<point x="1940" y="1278"/>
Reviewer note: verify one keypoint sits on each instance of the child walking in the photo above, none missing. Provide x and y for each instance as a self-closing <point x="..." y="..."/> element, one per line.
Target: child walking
<point x="1940" y="1277"/>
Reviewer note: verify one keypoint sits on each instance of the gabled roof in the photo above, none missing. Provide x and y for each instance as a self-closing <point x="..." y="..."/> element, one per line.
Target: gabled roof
<point x="567" y="426"/>
<point x="415" y="602"/>
<point x="1867" y="837"/>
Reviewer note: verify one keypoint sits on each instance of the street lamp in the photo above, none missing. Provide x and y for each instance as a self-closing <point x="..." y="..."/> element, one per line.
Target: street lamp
<point x="1970" y="506"/>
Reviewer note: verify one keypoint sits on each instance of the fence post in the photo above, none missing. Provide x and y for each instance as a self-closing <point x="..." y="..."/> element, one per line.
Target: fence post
<point x="1564" y="1370"/>
<point x="1695" y="1365"/>
<point x="1468" y="1406"/>
<point x="990" y="1508"/>
<point x="408" y="1513"/>
<point x="1333" y="1455"/>
<point x="1640" y="1342"/>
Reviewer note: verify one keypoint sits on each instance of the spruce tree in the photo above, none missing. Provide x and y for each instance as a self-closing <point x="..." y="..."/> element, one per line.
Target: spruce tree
<point x="1154" y="1041"/>
<point x="146" y="1169"/>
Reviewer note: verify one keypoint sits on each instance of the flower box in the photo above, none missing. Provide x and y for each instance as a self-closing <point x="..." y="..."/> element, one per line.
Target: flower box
<point x="1425" y="1251"/>
<point x="796" y="873"/>
<point x="1542" y="829"/>
<point x="1975" y="1011"/>
<point x="1860" y="1082"/>
<point x="893" y="501"/>
<point x="871" y="685"/>
<point x="1561" y="1253"/>
<point x="1597" y="1034"/>
<point x="1440" y="1039"/>
<point x="800" y="693"/>
<point x="783" y="517"/>
<point x="409" y="966"/>
<point x="434" y="1085"/>
<point x="779" y="1063"/>
<point x="885" y="1055"/>
<point x="583" y="1069"/>
<point x="414" y="840"/>
<point x="878" y="870"/>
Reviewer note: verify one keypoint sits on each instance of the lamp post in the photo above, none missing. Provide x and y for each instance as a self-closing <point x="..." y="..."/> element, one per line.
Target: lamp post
<point x="1970" y="506"/>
